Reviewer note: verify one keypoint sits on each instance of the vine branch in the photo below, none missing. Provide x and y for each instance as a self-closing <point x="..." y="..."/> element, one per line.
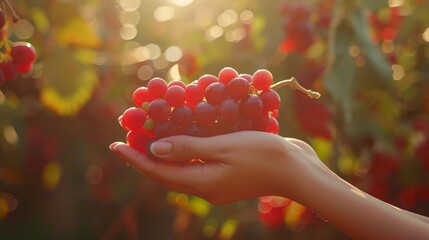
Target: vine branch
<point x="293" y="83"/>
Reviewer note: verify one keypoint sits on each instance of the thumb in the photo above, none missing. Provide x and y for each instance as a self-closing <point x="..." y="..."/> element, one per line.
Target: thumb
<point x="186" y="148"/>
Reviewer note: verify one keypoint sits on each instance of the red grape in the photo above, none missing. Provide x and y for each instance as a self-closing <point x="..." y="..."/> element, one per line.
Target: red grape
<point x="205" y="80"/>
<point x="159" y="110"/>
<point x="23" y="53"/>
<point x="273" y="126"/>
<point x="133" y="118"/>
<point x="228" y="111"/>
<point x="194" y="94"/>
<point x="182" y="116"/>
<point x="205" y="114"/>
<point x="262" y="79"/>
<point x="227" y="74"/>
<point x="177" y="83"/>
<point x="157" y="87"/>
<point x="165" y="129"/>
<point x="140" y="96"/>
<point x="139" y="139"/>
<point x="175" y="96"/>
<point x="216" y="93"/>
<point x="251" y="107"/>
<point x="238" y="88"/>
<point x="270" y="100"/>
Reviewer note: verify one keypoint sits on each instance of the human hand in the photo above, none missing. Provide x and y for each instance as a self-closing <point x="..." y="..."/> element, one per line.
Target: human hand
<point x="233" y="166"/>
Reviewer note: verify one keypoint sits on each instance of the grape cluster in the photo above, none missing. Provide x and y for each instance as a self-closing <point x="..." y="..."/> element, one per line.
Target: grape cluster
<point x="15" y="57"/>
<point x="210" y="106"/>
<point x="297" y="26"/>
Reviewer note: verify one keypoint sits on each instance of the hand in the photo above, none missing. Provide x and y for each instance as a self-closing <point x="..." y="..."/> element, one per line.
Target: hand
<point x="233" y="167"/>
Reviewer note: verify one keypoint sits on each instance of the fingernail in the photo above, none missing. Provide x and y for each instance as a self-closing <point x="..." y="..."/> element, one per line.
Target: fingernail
<point x="112" y="146"/>
<point x="161" y="148"/>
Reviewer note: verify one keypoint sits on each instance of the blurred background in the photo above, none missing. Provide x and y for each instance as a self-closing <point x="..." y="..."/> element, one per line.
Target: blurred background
<point x="58" y="179"/>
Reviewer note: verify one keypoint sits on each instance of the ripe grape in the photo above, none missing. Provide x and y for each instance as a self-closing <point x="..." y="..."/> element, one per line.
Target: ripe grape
<point x="165" y="129"/>
<point x="140" y="96"/>
<point x="205" y="114"/>
<point x="23" y="53"/>
<point x="270" y="100"/>
<point x="261" y="122"/>
<point x="216" y="93"/>
<point x="205" y="80"/>
<point x="133" y="118"/>
<point x="177" y="83"/>
<point x="138" y="139"/>
<point x="195" y="130"/>
<point x="227" y="74"/>
<point x="157" y="87"/>
<point x="194" y="94"/>
<point x="273" y="126"/>
<point x="228" y="111"/>
<point x="9" y="70"/>
<point x="159" y="110"/>
<point x="175" y="96"/>
<point x="251" y="107"/>
<point x="207" y="107"/>
<point x="182" y="116"/>
<point x="262" y="79"/>
<point x="238" y="88"/>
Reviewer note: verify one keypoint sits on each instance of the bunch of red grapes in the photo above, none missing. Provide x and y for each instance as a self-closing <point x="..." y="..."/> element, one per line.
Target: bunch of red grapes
<point x="298" y="27"/>
<point x="16" y="57"/>
<point x="209" y="106"/>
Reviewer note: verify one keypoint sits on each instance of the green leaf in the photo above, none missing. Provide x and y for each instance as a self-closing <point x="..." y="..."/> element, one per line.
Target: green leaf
<point x="340" y="81"/>
<point x="372" y="51"/>
<point x="375" y="4"/>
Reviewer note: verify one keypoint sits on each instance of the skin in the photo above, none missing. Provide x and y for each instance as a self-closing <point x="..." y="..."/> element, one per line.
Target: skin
<point x="249" y="164"/>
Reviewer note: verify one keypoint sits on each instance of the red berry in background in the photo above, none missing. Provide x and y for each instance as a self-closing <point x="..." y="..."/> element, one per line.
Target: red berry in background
<point x="133" y="118"/>
<point x="227" y="74"/>
<point x="262" y="79"/>
<point x="9" y="70"/>
<point x="157" y="87"/>
<point x="23" y="53"/>
<point x="140" y="96"/>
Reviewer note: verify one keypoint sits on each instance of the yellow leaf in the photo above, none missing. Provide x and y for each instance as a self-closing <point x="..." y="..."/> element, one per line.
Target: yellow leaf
<point x="51" y="175"/>
<point x="77" y="32"/>
<point x="40" y="19"/>
<point x="69" y="81"/>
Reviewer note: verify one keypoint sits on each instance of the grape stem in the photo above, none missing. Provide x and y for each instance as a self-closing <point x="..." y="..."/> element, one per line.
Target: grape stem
<point x="15" y="16"/>
<point x="293" y="83"/>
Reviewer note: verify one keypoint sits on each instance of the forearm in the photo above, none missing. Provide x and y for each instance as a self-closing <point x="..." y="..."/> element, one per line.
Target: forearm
<point x="357" y="213"/>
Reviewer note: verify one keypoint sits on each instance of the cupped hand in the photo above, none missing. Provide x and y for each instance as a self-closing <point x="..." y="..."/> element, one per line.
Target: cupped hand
<point x="233" y="167"/>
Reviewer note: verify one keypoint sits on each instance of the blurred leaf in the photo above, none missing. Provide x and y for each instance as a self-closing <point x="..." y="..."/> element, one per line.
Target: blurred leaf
<point x="51" y="175"/>
<point x="372" y="51"/>
<point x="70" y="81"/>
<point x="40" y="19"/>
<point x="77" y="32"/>
<point x="375" y="4"/>
<point x="340" y="82"/>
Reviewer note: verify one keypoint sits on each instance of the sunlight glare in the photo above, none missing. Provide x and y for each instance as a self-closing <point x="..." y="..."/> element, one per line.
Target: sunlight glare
<point x="182" y="3"/>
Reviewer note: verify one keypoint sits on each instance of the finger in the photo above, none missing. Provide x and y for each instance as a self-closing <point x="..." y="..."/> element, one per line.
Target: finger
<point x="186" y="148"/>
<point x="184" y="177"/>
